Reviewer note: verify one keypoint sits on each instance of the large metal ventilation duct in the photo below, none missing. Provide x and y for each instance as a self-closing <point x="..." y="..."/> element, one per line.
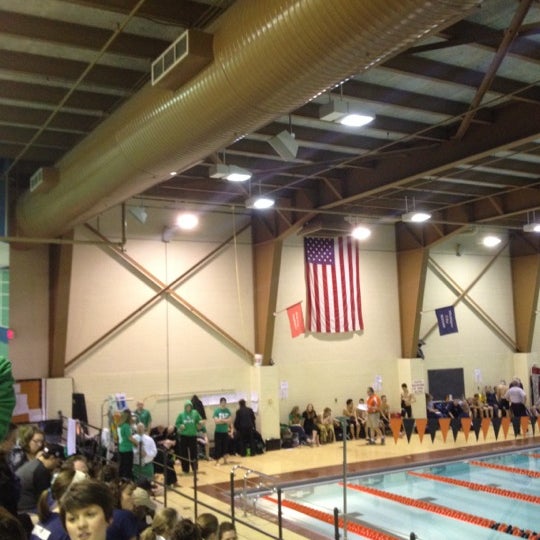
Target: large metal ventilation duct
<point x="269" y="58"/>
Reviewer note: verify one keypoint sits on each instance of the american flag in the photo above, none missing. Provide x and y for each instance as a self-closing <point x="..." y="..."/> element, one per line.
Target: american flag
<point x="333" y="285"/>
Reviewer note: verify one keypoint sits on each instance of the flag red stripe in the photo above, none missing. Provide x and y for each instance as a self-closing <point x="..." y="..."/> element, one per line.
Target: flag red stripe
<point x="333" y="286"/>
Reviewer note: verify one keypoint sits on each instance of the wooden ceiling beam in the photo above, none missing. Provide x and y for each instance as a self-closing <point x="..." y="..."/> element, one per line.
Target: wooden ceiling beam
<point x="59" y="69"/>
<point x="49" y="31"/>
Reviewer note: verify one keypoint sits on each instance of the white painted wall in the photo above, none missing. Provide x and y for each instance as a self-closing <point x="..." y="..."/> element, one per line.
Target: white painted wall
<point x="166" y="351"/>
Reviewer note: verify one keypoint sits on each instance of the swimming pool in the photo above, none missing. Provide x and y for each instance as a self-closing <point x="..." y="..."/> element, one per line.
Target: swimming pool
<point x="489" y="497"/>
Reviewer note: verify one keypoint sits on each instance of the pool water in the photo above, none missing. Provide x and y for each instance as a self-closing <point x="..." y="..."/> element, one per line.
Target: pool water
<point x="491" y="497"/>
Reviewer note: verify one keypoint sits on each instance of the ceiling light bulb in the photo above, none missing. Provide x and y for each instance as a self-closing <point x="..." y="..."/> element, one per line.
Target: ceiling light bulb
<point x="356" y="120"/>
<point x="237" y="174"/>
<point x="491" y="241"/>
<point x="187" y="221"/>
<point x="361" y="232"/>
<point x="532" y="227"/>
<point x="415" y="217"/>
<point x="260" y="202"/>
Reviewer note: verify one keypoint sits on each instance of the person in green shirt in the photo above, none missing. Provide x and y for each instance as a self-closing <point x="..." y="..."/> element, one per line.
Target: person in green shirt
<point x="188" y="423"/>
<point x="126" y="443"/>
<point x="143" y="416"/>
<point x="223" y="419"/>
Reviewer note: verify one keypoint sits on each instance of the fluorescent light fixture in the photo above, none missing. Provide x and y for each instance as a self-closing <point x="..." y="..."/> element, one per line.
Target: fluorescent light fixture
<point x="532" y="227"/>
<point x="339" y="111"/>
<point x="491" y="241"/>
<point x="238" y="174"/>
<point x="356" y="120"/>
<point x="139" y="213"/>
<point x="415" y="217"/>
<point x="187" y="221"/>
<point x="232" y="173"/>
<point x="285" y="145"/>
<point x="361" y="232"/>
<point x="260" y="202"/>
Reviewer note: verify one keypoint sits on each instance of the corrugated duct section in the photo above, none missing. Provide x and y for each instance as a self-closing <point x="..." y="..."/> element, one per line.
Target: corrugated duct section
<point x="269" y="58"/>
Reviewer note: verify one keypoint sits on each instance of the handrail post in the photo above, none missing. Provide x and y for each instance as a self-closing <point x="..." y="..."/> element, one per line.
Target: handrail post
<point x="280" y="515"/>
<point x="232" y="496"/>
<point x="196" y="500"/>
<point x="336" y="523"/>
<point x="343" y="421"/>
<point x="244" y="491"/>
<point x="165" y="471"/>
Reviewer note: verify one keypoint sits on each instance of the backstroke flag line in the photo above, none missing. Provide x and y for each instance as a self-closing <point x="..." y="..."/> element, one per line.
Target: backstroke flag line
<point x="333" y="285"/>
<point x="296" y="319"/>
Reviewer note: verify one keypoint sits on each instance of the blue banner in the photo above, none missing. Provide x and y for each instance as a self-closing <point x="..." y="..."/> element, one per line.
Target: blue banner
<point x="446" y="319"/>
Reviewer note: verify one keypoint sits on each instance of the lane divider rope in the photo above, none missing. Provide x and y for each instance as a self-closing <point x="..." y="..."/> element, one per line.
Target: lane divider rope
<point x="326" y="517"/>
<point x="447" y="512"/>
<point x="506" y="468"/>
<point x="515" y="495"/>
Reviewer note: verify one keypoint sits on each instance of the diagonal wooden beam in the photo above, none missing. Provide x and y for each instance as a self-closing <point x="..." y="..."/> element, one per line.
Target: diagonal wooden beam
<point x="162" y="290"/>
<point x="509" y="36"/>
<point x="463" y="296"/>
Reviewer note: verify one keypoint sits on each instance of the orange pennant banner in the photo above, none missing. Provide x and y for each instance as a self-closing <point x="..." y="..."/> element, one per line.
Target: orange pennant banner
<point x="466" y="427"/>
<point x="395" y="426"/>
<point x="486" y="423"/>
<point x="444" y="423"/>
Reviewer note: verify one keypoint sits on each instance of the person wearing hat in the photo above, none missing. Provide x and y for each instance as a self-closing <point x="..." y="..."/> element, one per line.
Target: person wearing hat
<point x="188" y="423"/>
<point x="36" y="475"/>
<point x="144" y="508"/>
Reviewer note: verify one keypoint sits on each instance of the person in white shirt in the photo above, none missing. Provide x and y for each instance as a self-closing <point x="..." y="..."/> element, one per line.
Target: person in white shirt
<point x="143" y="454"/>
<point x="517" y="399"/>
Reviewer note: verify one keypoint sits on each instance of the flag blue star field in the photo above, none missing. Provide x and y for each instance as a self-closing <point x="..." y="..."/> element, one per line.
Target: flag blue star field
<point x="333" y="285"/>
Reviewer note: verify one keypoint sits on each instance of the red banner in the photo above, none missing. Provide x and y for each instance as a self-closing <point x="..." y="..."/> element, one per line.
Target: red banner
<point x="296" y="319"/>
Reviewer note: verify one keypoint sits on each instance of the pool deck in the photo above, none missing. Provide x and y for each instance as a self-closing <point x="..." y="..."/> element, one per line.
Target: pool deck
<point x="306" y="464"/>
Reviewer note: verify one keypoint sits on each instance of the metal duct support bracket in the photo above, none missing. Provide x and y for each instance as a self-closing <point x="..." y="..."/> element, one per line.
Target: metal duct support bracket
<point x="182" y="60"/>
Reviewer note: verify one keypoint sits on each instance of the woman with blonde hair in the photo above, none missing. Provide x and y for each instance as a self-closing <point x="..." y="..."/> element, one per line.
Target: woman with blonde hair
<point x="162" y="525"/>
<point x="327" y="426"/>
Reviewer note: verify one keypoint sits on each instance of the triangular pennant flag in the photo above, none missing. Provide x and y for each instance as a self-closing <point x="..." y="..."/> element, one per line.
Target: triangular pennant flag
<point x="516" y="423"/>
<point x="444" y="423"/>
<point x="395" y="426"/>
<point x="466" y="426"/>
<point x="496" y="421"/>
<point x="455" y="424"/>
<point x="433" y="424"/>
<point x="525" y="421"/>
<point x="408" y="426"/>
<point x="476" y="424"/>
<point x="486" y="422"/>
<point x="421" y="424"/>
<point x="505" y="423"/>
